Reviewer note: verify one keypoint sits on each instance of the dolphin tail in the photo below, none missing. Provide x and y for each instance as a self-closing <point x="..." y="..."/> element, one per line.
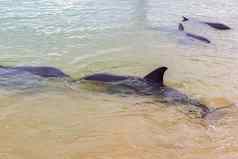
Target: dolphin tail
<point x="214" y="110"/>
<point x="157" y="75"/>
<point x="205" y="110"/>
<point x="185" y="19"/>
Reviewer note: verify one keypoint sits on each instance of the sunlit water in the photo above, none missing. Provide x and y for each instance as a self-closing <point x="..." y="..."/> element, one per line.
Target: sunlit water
<point x="57" y="119"/>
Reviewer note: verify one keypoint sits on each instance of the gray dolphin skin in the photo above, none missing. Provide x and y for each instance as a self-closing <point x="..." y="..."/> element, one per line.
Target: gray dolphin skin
<point x="203" y="39"/>
<point x="151" y="84"/>
<point x="197" y="37"/>
<point x="42" y="71"/>
<point x="218" y="26"/>
<point x="30" y="78"/>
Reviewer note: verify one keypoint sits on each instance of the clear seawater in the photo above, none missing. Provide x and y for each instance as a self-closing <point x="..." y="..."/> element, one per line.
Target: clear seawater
<point x="60" y="120"/>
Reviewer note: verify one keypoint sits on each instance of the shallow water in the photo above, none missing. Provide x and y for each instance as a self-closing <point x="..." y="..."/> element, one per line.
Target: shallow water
<point x="57" y="119"/>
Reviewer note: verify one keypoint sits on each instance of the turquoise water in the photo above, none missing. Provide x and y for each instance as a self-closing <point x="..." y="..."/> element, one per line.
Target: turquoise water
<point x="62" y="120"/>
<point x="61" y="33"/>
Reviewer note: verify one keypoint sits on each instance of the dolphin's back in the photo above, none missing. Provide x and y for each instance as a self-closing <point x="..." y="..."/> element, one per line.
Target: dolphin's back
<point x="103" y="77"/>
<point x="156" y="77"/>
<point x="42" y="71"/>
<point x="215" y="25"/>
<point x="198" y="37"/>
<point x="218" y="26"/>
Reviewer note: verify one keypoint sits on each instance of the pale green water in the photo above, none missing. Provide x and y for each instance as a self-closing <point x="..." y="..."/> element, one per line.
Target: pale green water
<point x="60" y="120"/>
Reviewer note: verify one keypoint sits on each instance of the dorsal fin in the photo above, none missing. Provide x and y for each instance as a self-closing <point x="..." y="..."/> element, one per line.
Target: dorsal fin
<point x="157" y="75"/>
<point x="180" y="27"/>
<point x="185" y="19"/>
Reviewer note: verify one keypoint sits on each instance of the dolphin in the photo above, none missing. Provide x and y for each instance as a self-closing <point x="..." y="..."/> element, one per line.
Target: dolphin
<point x="42" y="71"/>
<point x="218" y="26"/>
<point x="30" y="78"/>
<point x="151" y="84"/>
<point x="197" y="37"/>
